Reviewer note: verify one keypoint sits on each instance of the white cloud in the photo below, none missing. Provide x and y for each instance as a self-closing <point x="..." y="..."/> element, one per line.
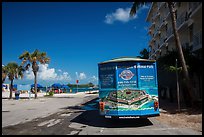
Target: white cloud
<point x="46" y="73"/>
<point x="120" y="14"/>
<point x="77" y="75"/>
<point x="81" y="76"/>
<point x="49" y="75"/>
<point x="64" y="76"/>
<point x="29" y="74"/>
<point x="93" y="79"/>
<point x="145" y="7"/>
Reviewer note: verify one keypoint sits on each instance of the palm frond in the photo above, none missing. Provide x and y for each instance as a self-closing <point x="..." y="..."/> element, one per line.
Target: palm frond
<point x="13" y="71"/>
<point x="47" y="60"/>
<point x="35" y="53"/>
<point x="25" y="55"/>
<point x="12" y="65"/>
<point x="21" y="70"/>
<point x="42" y="58"/>
<point x="135" y="7"/>
<point x="43" y="54"/>
<point x="27" y="66"/>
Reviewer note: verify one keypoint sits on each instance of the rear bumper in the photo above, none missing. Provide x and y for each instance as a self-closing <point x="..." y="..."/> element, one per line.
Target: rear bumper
<point x="131" y="117"/>
<point x="131" y="113"/>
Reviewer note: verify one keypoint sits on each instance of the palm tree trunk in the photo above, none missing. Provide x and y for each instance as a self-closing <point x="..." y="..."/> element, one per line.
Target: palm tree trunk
<point x="35" y="82"/>
<point x="181" y="56"/>
<point x="3" y="77"/>
<point x="35" y="70"/>
<point x="11" y="90"/>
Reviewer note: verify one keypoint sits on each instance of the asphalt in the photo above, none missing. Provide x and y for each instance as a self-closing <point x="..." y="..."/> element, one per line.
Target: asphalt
<point x="25" y="109"/>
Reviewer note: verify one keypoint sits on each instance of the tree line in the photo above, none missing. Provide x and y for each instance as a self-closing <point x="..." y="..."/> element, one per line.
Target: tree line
<point x="88" y="85"/>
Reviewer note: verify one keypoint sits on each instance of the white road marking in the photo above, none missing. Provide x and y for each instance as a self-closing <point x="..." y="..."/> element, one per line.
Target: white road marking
<point x="46" y="122"/>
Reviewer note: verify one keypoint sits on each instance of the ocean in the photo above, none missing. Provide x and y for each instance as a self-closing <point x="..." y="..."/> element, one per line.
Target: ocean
<point x="74" y="90"/>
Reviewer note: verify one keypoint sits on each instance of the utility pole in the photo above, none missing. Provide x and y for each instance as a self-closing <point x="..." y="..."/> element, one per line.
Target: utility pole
<point x="77" y="81"/>
<point x="177" y="85"/>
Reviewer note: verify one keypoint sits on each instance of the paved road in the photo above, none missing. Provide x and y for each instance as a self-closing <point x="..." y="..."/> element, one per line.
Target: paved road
<point x="18" y="111"/>
<point x="64" y="116"/>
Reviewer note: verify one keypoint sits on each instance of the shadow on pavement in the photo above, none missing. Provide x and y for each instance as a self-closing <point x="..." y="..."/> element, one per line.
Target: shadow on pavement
<point x="89" y="115"/>
<point x="92" y="118"/>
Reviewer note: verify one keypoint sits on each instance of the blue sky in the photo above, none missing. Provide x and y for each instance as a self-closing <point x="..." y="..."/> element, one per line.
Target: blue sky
<point x="75" y="35"/>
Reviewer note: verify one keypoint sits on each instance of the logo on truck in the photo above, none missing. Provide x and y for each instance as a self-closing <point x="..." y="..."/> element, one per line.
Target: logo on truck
<point x="126" y="74"/>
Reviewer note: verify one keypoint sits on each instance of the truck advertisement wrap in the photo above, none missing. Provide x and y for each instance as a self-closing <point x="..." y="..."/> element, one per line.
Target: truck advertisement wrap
<point x="135" y="92"/>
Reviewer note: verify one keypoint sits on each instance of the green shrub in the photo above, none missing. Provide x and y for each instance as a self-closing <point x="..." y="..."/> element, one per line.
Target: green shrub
<point x="51" y="93"/>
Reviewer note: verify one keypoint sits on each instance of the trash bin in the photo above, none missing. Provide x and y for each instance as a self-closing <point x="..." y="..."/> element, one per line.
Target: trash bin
<point x="17" y="93"/>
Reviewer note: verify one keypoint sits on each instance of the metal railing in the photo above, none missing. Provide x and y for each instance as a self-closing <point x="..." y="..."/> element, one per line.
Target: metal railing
<point x="162" y="41"/>
<point x="160" y="21"/>
<point x="161" y="4"/>
<point x="164" y="22"/>
<point x="156" y="44"/>
<point x="181" y="19"/>
<point x="158" y="4"/>
<point x="153" y="24"/>
<point x="194" y="5"/>
<point x="155" y="31"/>
<point x="169" y="32"/>
<point x="154" y="15"/>
<point x="197" y="39"/>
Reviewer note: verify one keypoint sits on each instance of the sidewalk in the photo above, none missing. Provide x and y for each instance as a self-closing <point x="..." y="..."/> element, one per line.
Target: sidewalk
<point x="5" y="95"/>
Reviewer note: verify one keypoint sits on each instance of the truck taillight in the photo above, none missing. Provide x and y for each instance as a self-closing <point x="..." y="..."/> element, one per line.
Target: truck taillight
<point x="156" y="105"/>
<point x="101" y="106"/>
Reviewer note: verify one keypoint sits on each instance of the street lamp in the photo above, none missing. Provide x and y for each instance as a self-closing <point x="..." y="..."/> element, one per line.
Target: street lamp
<point x="177" y="85"/>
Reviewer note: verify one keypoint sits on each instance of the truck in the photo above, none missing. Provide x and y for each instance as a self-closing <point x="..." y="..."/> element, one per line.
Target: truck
<point x="128" y="88"/>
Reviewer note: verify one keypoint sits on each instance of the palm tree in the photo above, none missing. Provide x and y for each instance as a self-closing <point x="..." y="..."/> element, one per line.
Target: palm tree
<point x="13" y="71"/>
<point x="4" y="75"/>
<point x="135" y="7"/>
<point x="144" y="54"/>
<point x="33" y="58"/>
<point x="167" y="62"/>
